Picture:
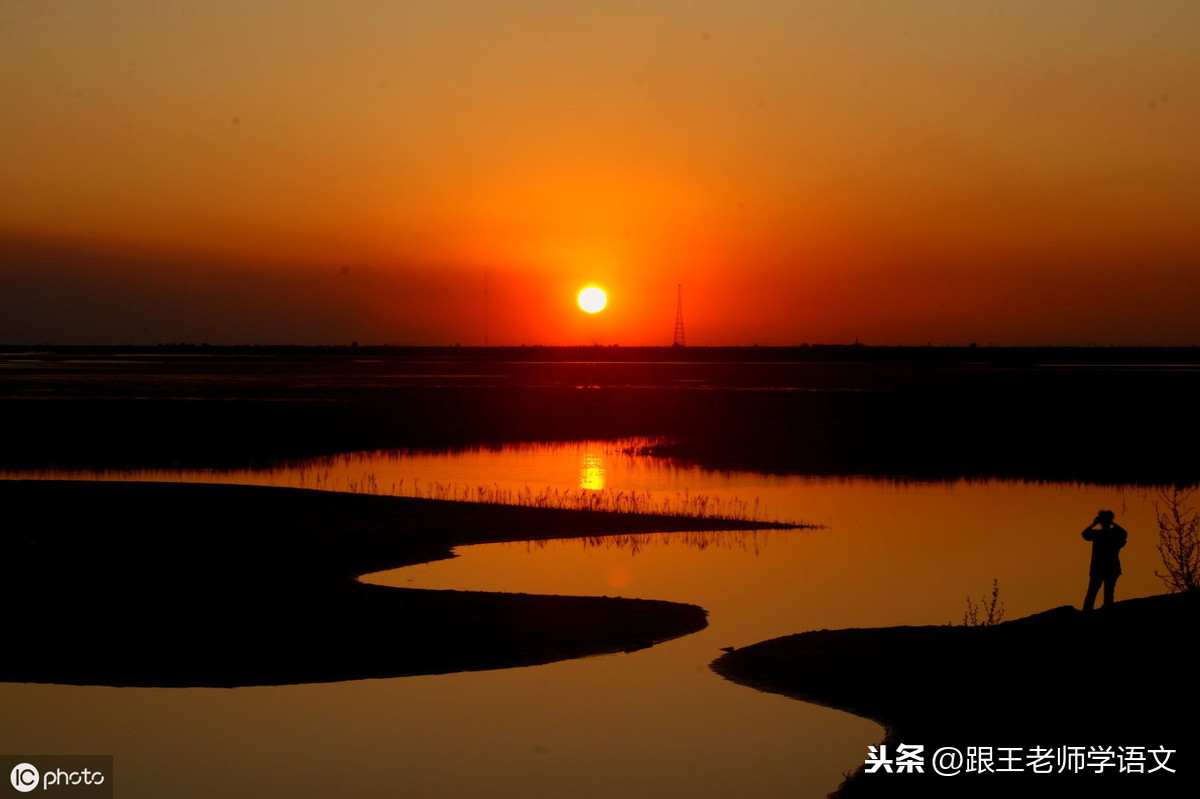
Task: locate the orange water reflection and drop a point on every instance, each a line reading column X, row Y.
column 592, row 472
column 649, row 724
column 890, row 553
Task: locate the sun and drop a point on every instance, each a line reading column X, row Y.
column 592, row 299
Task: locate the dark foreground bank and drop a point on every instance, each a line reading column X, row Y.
column 1122, row 677
column 189, row 585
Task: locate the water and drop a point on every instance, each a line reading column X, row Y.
column 651, row 723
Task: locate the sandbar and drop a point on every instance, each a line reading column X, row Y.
column 155, row 584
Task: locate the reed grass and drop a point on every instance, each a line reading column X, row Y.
column 634, row 543
column 643, row 503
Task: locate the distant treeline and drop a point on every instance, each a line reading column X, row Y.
column 1096, row 415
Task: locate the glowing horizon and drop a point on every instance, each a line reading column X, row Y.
column 899, row 174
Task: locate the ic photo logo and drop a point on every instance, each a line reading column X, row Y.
column 59, row 775
column 24, row 777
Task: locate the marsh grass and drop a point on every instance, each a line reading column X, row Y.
column 343, row 474
column 684, row 503
column 634, row 543
column 644, row 503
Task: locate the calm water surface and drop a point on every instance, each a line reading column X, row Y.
column 655, row 723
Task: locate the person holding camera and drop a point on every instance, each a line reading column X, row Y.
column 1107, row 538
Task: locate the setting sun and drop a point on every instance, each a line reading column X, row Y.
column 592, row 299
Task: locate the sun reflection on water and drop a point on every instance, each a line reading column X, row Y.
column 593, row 476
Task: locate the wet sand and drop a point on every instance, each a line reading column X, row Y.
column 144, row 584
column 1118, row 677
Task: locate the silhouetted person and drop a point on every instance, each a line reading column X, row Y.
column 1107, row 538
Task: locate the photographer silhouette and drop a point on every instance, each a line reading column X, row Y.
column 1107, row 538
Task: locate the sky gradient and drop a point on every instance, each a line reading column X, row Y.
column 438, row 172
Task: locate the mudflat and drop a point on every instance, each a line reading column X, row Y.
column 152, row 584
column 1112, row 678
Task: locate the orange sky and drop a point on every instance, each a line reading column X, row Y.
column 810, row 171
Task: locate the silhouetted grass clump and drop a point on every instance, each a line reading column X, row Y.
column 988, row 612
column 645, row 503
column 1178, row 541
column 635, row 543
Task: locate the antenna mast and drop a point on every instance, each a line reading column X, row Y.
column 679, row 342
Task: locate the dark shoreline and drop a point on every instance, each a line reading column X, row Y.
column 1014, row 354
column 1116, row 677
column 1104, row 415
column 214, row 585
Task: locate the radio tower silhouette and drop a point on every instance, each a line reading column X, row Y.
column 679, row 342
